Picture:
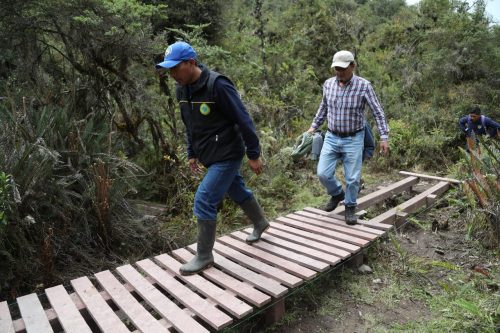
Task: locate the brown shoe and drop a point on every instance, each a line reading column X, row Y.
column 333, row 202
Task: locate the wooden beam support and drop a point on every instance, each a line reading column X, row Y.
column 411, row 205
column 382, row 194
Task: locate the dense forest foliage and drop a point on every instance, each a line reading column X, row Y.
column 88, row 128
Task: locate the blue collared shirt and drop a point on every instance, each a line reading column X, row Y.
column 344, row 107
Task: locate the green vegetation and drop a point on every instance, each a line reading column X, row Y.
column 88, row 129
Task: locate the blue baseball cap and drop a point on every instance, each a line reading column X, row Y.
column 176, row 53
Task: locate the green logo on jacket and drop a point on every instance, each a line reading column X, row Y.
column 204, row 109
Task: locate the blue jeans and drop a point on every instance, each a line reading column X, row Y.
column 221, row 178
column 350, row 151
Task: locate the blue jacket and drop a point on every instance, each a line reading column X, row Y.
column 484, row 126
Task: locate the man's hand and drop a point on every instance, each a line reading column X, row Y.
column 256, row 165
column 384, row 147
column 194, row 166
column 311, row 130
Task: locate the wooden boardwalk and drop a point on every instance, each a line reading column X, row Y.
column 151, row 296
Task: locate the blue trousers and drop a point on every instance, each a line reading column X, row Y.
column 221, row 178
column 350, row 151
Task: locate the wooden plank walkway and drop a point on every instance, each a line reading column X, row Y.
column 151, row 296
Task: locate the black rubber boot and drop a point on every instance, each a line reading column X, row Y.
column 255, row 213
column 350, row 215
column 333, row 202
column 203, row 258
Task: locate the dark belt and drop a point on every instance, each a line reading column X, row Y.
column 345, row 135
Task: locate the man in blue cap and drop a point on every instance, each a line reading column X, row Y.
column 219, row 133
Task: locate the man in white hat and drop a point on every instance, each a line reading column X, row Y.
column 343, row 105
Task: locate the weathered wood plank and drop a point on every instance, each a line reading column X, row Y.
column 33, row 314
column 289, row 255
column 68, row 315
column 380, row 226
column 241, row 288
column 205, row 310
column 164, row 306
column 322, row 231
column 264, row 283
column 314, row 236
column 306, row 249
column 382, row 194
column 336, row 221
column 411, row 205
column 332, row 226
column 293, row 238
column 419, row 175
column 6, row 324
column 103, row 315
column 137, row 314
column 259, row 266
column 271, row 257
column 225, row 299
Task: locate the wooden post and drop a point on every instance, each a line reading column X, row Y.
column 275, row 312
column 430, row 199
column 400, row 219
column 356, row 260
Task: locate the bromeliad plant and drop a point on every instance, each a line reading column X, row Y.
column 483, row 182
column 4, row 198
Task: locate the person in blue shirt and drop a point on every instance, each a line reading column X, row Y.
column 477, row 124
column 219, row 132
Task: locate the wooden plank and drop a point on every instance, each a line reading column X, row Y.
column 138, row 315
column 164, row 306
column 270, row 256
column 326, row 232
column 68, row 315
column 51, row 314
column 332, row 226
column 33, row 314
column 380, row 226
column 103, row 315
column 411, row 205
column 260, row 281
column 259, row 266
column 316, row 237
column 6, row 324
column 336, row 221
column 419, row 175
column 240, row 288
column 293, row 256
column 382, row 194
column 306, row 249
column 201, row 307
column 225, row 299
column 307, row 242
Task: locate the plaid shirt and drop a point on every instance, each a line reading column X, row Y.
column 344, row 106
